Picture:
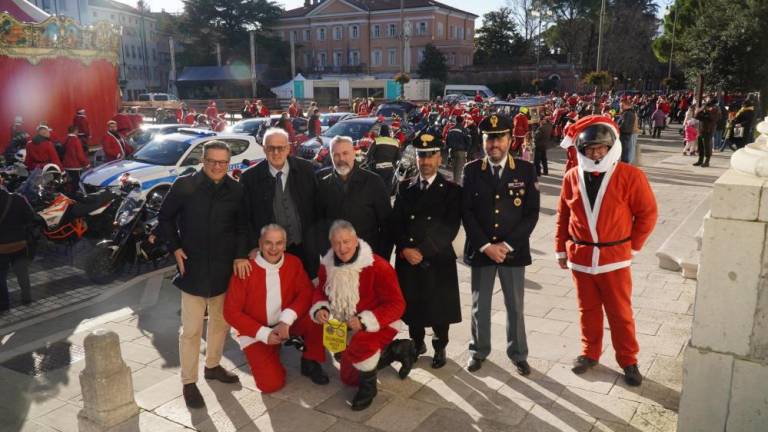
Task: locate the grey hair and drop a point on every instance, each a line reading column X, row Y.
column 341, row 224
column 340, row 138
column 274, row 131
column 273, row 227
column 216, row 145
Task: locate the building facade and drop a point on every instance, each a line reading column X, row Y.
column 364, row 36
column 144, row 59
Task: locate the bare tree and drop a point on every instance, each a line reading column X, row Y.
column 521, row 12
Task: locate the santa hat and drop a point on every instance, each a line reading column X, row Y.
column 572, row 131
column 81, row 111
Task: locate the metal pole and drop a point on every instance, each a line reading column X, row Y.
column 253, row 64
column 402, row 37
column 600, row 36
column 172, row 81
column 672, row 49
column 218, row 54
column 293, row 56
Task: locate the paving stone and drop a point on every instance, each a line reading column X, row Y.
column 147, row 421
column 598, row 379
column 290, row 417
column 63, row 419
column 237, row 413
column 138, row 353
column 159, row 394
column 339, row 405
column 655, row 418
column 147, row 377
column 303, row 392
column 599, row 406
column 444, row 419
column 401, row 415
column 346, row 426
column 542, row 419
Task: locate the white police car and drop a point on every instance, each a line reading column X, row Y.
column 158, row 163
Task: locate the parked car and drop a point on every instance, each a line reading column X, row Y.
column 536, row 106
column 157, row 165
column 329, row 119
column 467, row 90
column 402, row 109
column 146, row 133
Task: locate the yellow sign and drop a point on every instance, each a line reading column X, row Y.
column 335, row 336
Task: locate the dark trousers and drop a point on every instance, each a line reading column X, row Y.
column 540, row 161
column 20, row 264
column 705, row 147
column 74, row 179
column 439, row 340
column 657, row 131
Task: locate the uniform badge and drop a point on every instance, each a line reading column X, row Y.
column 518, row 202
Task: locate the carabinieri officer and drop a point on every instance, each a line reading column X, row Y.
column 500, row 210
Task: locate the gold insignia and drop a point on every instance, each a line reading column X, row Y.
column 427, row 138
column 518, row 202
column 522, row 191
column 494, row 121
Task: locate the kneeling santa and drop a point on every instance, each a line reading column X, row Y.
column 268, row 307
column 360, row 288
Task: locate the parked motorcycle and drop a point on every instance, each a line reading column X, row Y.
column 405, row 168
column 132, row 241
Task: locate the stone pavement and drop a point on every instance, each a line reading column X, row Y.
column 144, row 312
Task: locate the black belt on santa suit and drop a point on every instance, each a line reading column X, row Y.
column 601, row 244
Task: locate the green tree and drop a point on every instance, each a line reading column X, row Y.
column 434, row 65
column 498, row 41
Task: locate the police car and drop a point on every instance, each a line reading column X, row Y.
column 158, row 163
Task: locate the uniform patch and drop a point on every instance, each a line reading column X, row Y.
column 518, row 202
column 516, row 184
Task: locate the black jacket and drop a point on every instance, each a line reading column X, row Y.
column 458, row 139
column 503, row 210
column 207, row 221
column 259, row 194
column 429, row 221
column 18, row 220
column 363, row 201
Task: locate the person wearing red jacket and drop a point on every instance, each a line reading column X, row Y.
column 270, row 304
column 293, row 109
column 113, row 144
column 83, row 128
column 314, row 128
column 41, row 151
column 181, row 113
column 190, row 117
column 211, row 111
column 360, row 288
column 478, row 97
column 123, row 121
column 75, row 159
column 605, row 215
column 519, row 129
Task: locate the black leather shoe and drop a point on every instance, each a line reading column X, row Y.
column 315, row 372
column 705, row 164
column 192, row 396
column 582, row 364
column 438, row 360
column 523, row 368
column 475, row 364
column 697, row 163
column 632, row 375
column 218, row 373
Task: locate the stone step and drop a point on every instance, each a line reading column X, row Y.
column 681, row 250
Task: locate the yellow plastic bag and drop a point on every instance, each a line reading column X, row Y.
column 335, row 336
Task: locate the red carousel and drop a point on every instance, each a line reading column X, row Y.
column 50, row 67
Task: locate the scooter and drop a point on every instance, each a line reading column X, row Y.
column 132, row 241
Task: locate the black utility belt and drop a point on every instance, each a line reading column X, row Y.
column 601, row 244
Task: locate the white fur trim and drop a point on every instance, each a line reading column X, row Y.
column 560, row 255
column 288, row 316
column 274, row 294
column 316, row 307
column 634, row 252
column 368, row 364
column 244, row 341
column 566, row 142
column 342, row 286
column 369, row 320
column 263, row 334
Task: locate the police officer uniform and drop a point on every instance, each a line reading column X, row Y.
column 427, row 216
column 500, row 205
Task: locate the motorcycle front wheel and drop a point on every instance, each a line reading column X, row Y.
column 102, row 264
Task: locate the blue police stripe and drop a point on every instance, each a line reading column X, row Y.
column 151, row 183
column 109, row 180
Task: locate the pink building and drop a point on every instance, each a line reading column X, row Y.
column 363, row 36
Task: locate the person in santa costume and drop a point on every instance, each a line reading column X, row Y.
column 606, row 212
column 211, row 112
column 269, row 306
column 519, row 130
column 360, row 288
column 113, row 144
column 83, row 128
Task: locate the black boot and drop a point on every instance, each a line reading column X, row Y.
column 438, row 358
column 706, row 163
column 314, row 371
column 386, row 358
column 366, row 392
column 404, row 351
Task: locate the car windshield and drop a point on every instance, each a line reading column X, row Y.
column 325, row 119
column 248, row 126
column 143, row 137
column 387, row 111
column 162, row 151
column 355, row 130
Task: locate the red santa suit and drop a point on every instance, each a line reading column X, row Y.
column 74, row 156
column 599, row 241
column 115, row 147
column 271, row 294
column 293, row 111
column 366, row 288
column 520, row 130
column 212, row 112
column 40, row 152
column 83, row 128
column 189, row 118
column 124, row 123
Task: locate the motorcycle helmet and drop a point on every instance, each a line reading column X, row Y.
column 596, row 134
column 20, row 155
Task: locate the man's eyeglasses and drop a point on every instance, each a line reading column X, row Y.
column 212, row 162
column 275, row 149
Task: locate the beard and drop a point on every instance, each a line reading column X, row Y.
column 343, row 291
column 343, row 169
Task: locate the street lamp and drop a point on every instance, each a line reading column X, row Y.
column 672, row 48
column 540, row 14
column 600, row 36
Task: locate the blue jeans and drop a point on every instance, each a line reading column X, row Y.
column 628, row 147
column 719, row 142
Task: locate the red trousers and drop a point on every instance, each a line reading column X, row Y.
column 363, row 352
column 517, row 142
column 612, row 291
column 267, row 370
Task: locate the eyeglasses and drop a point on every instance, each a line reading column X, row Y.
column 212, row 162
column 275, row 149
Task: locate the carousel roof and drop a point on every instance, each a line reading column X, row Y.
column 23, row 10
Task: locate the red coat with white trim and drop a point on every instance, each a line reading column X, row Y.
column 83, row 128
column 381, row 302
column 115, row 148
column 246, row 303
column 626, row 209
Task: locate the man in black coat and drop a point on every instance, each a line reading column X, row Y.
column 500, row 210
column 424, row 222
column 292, row 205
column 355, row 195
column 202, row 220
column 458, row 142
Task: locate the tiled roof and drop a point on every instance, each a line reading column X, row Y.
column 376, row 5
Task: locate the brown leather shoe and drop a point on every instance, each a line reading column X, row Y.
column 220, row 374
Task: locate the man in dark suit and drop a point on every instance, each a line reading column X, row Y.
column 500, row 209
column 283, row 189
column 355, row 195
column 424, row 222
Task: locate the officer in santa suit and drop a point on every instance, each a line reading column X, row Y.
column 360, row 288
column 606, row 212
column 269, row 306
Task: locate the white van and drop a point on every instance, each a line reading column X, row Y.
column 468, row 90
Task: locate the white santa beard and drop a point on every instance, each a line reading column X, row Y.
column 343, row 291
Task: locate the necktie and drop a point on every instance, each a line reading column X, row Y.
column 424, row 185
column 496, row 171
column 279, row 181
